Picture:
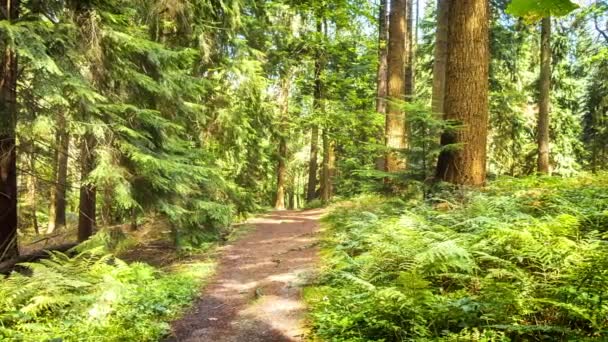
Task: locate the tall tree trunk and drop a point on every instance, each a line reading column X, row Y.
column 313, row 165
column 466, row 98
column 32, row 189
column 88, row 191
column 441, row 56
column 544, row 97
column 382, row 76
column 282, row 167
column 9, row 10
column 409, row 54
column 329, row 166
column 395, row 132
column 382, row 80
column 58, row 201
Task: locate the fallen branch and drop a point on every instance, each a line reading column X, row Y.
column 9, row 265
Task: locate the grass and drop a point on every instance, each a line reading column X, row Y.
column 520, row 260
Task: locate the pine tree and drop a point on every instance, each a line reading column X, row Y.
column 466, row 99
column 395, row 133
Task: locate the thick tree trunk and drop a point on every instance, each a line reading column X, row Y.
column 329, row 166
column 382, row 76
column 441, row 56
column 544, row 97
column 282, row 166
column 395, row 131
column 57, row 210
column 466, row 98
column 88, row 191
column 313, row 165
column 9, row 10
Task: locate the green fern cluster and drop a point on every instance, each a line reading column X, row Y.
column 520, row 260
column 93, row 297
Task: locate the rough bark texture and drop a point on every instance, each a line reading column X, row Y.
column 466, row 98
column 329, row 167
column 544, row 97
column 382, row 81
column 9, row 10
column 395, row 118
column 282, row 166
column 409, row 51
column 88, row 192
column 58, row 203
column 382, row 76
column 441, row 56
column 313, row 165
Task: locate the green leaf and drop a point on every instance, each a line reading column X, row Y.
column 537, row 9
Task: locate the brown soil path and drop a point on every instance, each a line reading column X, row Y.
column 256, row 293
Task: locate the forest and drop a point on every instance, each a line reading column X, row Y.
column 441, row 166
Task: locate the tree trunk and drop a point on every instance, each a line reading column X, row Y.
column 409, row 55
column 282, row 167
column 88, row 191
column 57, row 208
column 32, row 189
column 544, row 97
column 395, row 133
column 441, row 56
column 382, row 79
column 313, row 165
column 311, row 191
column 9, row 10
column 329, row 166
column 466, row 98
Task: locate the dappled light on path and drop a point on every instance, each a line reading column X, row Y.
column 256, row 294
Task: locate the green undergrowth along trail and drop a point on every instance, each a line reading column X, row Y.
column 94, row 296
column 520, row 260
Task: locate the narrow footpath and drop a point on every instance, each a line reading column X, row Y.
column 255, row 295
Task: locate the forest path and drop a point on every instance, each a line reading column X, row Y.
column 255, row 295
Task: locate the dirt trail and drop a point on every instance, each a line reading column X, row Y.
column 256, row 293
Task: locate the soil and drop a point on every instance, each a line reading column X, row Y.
column 256, row 293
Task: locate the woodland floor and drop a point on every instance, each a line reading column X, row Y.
column 255, row 295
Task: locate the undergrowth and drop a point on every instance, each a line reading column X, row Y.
column 94, row 296
column 520, row 260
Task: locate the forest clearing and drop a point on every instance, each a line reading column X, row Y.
column 303, row 170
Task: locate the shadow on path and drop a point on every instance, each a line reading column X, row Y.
column 256, row 293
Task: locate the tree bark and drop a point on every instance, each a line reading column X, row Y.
column 395, row 131
column 466, row 97
column 382, row 76
column 441, row 56
column 329, row 166
column 409, row 54
column 313, row 165
column 88, row 191
column 544, row 97
column 282, row 166
column 57, row 210
column 9, row 10
column 382, row 80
